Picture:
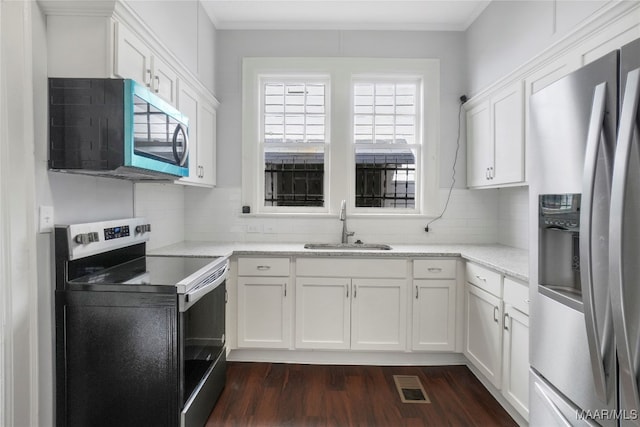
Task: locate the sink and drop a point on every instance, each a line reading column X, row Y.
column 348, row 246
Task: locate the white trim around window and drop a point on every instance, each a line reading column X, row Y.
column 341, row 74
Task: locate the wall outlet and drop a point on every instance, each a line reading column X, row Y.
column 46, row 219
column 254, row 228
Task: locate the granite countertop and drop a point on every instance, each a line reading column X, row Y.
column 513, row 262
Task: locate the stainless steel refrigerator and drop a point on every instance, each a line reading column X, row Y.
column 584, row 177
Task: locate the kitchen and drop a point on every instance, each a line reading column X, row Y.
column 499, row 44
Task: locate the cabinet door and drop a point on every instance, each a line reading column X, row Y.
column 479, row 145
column 378, row 314
column 264, row 312
column 164, row 81
column 207, row 144
column 132, row 57
column 434, row 315
column 515, row 381
column 507, row 109
column 323, row 312
column 188, row 105
column 483, row 341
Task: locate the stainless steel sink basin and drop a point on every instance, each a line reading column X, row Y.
column 348, row 246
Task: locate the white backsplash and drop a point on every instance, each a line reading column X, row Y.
column 163, row 205
column 513, row 217
column 214, row 215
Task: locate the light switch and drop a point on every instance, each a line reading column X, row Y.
column 46, row 219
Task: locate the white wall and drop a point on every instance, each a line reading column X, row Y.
column 232, row 46
column 509, row 33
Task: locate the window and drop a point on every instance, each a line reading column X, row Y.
column 317, row 131
column 293, row 138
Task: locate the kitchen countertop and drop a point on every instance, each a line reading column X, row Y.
column 511, row 261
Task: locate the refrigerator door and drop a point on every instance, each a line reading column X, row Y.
column 573, row 128
column 549, row 408
column 624, row 250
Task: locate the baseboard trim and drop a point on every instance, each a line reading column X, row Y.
column 329, row 357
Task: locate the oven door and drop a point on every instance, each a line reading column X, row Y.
column 203, row 354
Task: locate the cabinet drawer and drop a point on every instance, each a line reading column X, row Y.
column 516, row 294
column 351, row 267
column 484, row 278
column 434, row 269
column 263, row 266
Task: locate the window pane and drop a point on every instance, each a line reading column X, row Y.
column 294, row 112
column 294, row 178
column 385, row 178
column 390, row 108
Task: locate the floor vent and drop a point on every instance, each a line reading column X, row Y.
column 410, row 389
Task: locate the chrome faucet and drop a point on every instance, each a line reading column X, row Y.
column 343, row 218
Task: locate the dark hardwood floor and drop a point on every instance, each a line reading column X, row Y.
column 271, row 394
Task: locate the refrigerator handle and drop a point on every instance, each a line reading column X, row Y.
column 586, row 251
column 626, row 345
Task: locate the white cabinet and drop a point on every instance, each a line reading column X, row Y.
column 264, row 303
column 135, row 60
column 434, row 305
column 378, row 314
column 515, row 348
column 323, row 313
column 497, row 332
column 483, row 343
column 495, row 139
column 202, row 137
column 357, row 311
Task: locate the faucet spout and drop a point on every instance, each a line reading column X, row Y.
column 343, row 217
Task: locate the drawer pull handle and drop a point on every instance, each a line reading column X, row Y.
column 264, row 267
column 481, row 278
column 495, row 314
column 434, row 270
column 416, row 292
column 285, row 290
column 506, row 321
column 347, row 288
column 355, row 291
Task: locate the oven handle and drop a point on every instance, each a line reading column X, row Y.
column 192, row 297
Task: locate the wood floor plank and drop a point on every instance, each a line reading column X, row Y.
column 281, row 395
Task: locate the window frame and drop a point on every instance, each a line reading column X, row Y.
column 339, row 147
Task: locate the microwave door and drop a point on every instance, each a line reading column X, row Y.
column 157, row 135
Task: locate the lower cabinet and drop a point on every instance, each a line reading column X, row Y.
column 264, row 303
column 515, row 348
column 264, row 308
column 345, row 313
column 434, row 315
column 497, row 332
column 483, row 338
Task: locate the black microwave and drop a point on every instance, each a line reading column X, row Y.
column 117, row 128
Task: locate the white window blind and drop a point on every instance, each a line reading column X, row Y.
column 294, row 112
column 385, row 112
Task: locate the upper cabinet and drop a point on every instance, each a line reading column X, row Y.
column 90, row 41
column 495, row 139
column 497, row 117
column 133, row 59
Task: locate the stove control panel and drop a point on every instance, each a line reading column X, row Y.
column 96, row 237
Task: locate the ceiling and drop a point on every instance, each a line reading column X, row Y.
column 435, row 15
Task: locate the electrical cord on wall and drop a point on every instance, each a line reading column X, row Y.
column 463, row 99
